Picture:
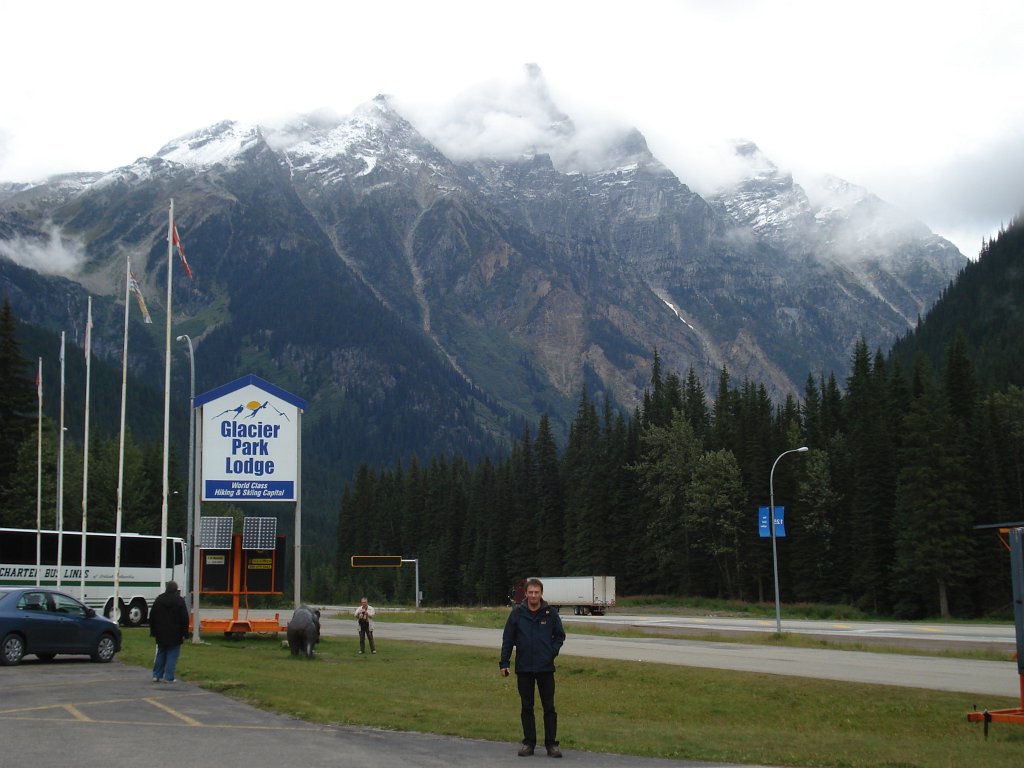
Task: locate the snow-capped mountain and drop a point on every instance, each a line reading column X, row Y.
column 322, row 245
column 861, row 238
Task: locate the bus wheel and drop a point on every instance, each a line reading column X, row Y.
column 121, row 610
column 136, row 613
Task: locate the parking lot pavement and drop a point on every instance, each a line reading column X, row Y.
column 73, row 712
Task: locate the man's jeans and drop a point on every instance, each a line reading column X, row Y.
column 545, row 682
column 165, row 662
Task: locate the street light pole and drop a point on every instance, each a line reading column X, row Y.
column 191, row 447
column 771, row 524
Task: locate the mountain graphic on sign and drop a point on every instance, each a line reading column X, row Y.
column 253, row 407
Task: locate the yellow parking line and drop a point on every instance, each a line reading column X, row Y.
column 171, row 711
column 186, row 724
column 90, row 702
column 76, row 713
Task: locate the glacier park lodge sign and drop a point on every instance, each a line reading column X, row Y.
column 250, row 441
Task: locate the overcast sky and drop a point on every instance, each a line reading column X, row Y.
column 917, row 100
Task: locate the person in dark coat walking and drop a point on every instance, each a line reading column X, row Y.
column 535, row 629
column 168, row 625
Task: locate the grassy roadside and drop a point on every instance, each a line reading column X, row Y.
column 624, row 707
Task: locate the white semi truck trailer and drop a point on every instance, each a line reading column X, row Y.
column 586, row 594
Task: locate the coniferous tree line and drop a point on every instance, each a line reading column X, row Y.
column 880, row 512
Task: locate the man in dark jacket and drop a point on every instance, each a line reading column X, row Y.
column 168, row 624
column 535, row 629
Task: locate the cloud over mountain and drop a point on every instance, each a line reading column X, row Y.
column 52, row 254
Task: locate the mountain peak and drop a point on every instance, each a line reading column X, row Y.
column 214, row 144
column 756, row 165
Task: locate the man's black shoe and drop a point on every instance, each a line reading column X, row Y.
column 526, row 750
column 554, row 752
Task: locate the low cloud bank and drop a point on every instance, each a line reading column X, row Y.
column 52, row 254
column 507, row 119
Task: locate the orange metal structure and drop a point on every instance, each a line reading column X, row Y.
column 1012, row 537
column 238, row 588
column 1014, row 715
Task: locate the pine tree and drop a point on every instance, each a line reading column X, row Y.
column 715, row 517
column 585, row 546
column 812, row 544
column 695, row 407
column 871, row 482
column 549, row 500
column 669, row 456
column 934, row 548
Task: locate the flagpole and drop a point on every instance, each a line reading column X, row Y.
column 167, row 395
column 115, row 604
column 39, row 471
column 85, row 447
column 60, row 471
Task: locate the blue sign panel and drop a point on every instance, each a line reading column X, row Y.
column 780, row 523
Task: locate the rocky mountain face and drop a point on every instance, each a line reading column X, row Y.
column 443, row 300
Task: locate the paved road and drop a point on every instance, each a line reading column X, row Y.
column 997, row 637
column 73, row 712
column 997, row 678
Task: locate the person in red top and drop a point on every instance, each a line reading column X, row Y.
column 535, row 629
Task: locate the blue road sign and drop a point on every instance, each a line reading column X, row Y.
column 780, row 522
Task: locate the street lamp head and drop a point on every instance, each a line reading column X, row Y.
column 183, row 337
column 802, row 449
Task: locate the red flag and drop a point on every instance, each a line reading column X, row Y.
column 181, row 251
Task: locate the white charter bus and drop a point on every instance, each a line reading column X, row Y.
column 140, row 580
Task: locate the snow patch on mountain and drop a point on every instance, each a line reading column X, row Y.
column 374, row 137
column 220, row 143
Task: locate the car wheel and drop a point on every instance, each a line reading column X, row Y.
column 105, row 649
column 12, row 650
column 46, row 656
column 136, row 613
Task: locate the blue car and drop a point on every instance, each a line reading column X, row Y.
column 45, row 622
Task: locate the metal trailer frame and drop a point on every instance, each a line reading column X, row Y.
column 1013, row 539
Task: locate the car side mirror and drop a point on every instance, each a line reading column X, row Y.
column 89, row 612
